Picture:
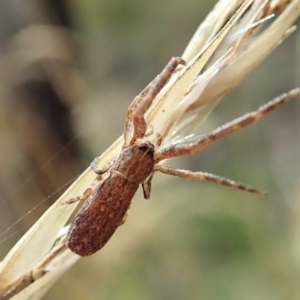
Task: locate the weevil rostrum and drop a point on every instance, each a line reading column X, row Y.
column 106, row 207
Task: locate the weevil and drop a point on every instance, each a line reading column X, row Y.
column 106, row 207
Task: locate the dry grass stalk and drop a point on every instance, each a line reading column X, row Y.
column 223, row 55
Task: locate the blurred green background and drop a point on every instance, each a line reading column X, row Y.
column 68, row 71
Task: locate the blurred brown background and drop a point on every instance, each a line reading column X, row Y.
column 68, row 70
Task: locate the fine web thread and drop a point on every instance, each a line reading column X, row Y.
column 3, row 234
column 6, row 237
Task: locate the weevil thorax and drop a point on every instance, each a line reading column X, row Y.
column 136, row 161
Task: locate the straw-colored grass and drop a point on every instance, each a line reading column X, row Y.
column 223, row 55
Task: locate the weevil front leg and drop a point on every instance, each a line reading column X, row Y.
column 208, row 177
column 139, row 98
column 225, row 130
column 142, row 105
column 131, row 109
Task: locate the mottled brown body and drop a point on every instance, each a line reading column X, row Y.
column 105, row 209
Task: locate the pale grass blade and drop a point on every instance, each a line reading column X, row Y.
column 33, row 253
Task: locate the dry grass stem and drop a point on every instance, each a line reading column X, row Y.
column 223, row 55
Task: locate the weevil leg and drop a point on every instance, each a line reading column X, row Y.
column 227, row 129
column 95, row 183
column 139, row 123
column 146, row 185
column 131, row 109
column 104, row 168
column 208, row 177
column 84, row 196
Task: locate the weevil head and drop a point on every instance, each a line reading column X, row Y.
column 136, row 162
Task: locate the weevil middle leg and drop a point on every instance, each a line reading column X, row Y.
column 208, row 177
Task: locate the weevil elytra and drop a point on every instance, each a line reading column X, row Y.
column 106, row 207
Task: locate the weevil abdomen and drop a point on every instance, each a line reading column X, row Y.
column 104, row 211
column 100, row 215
